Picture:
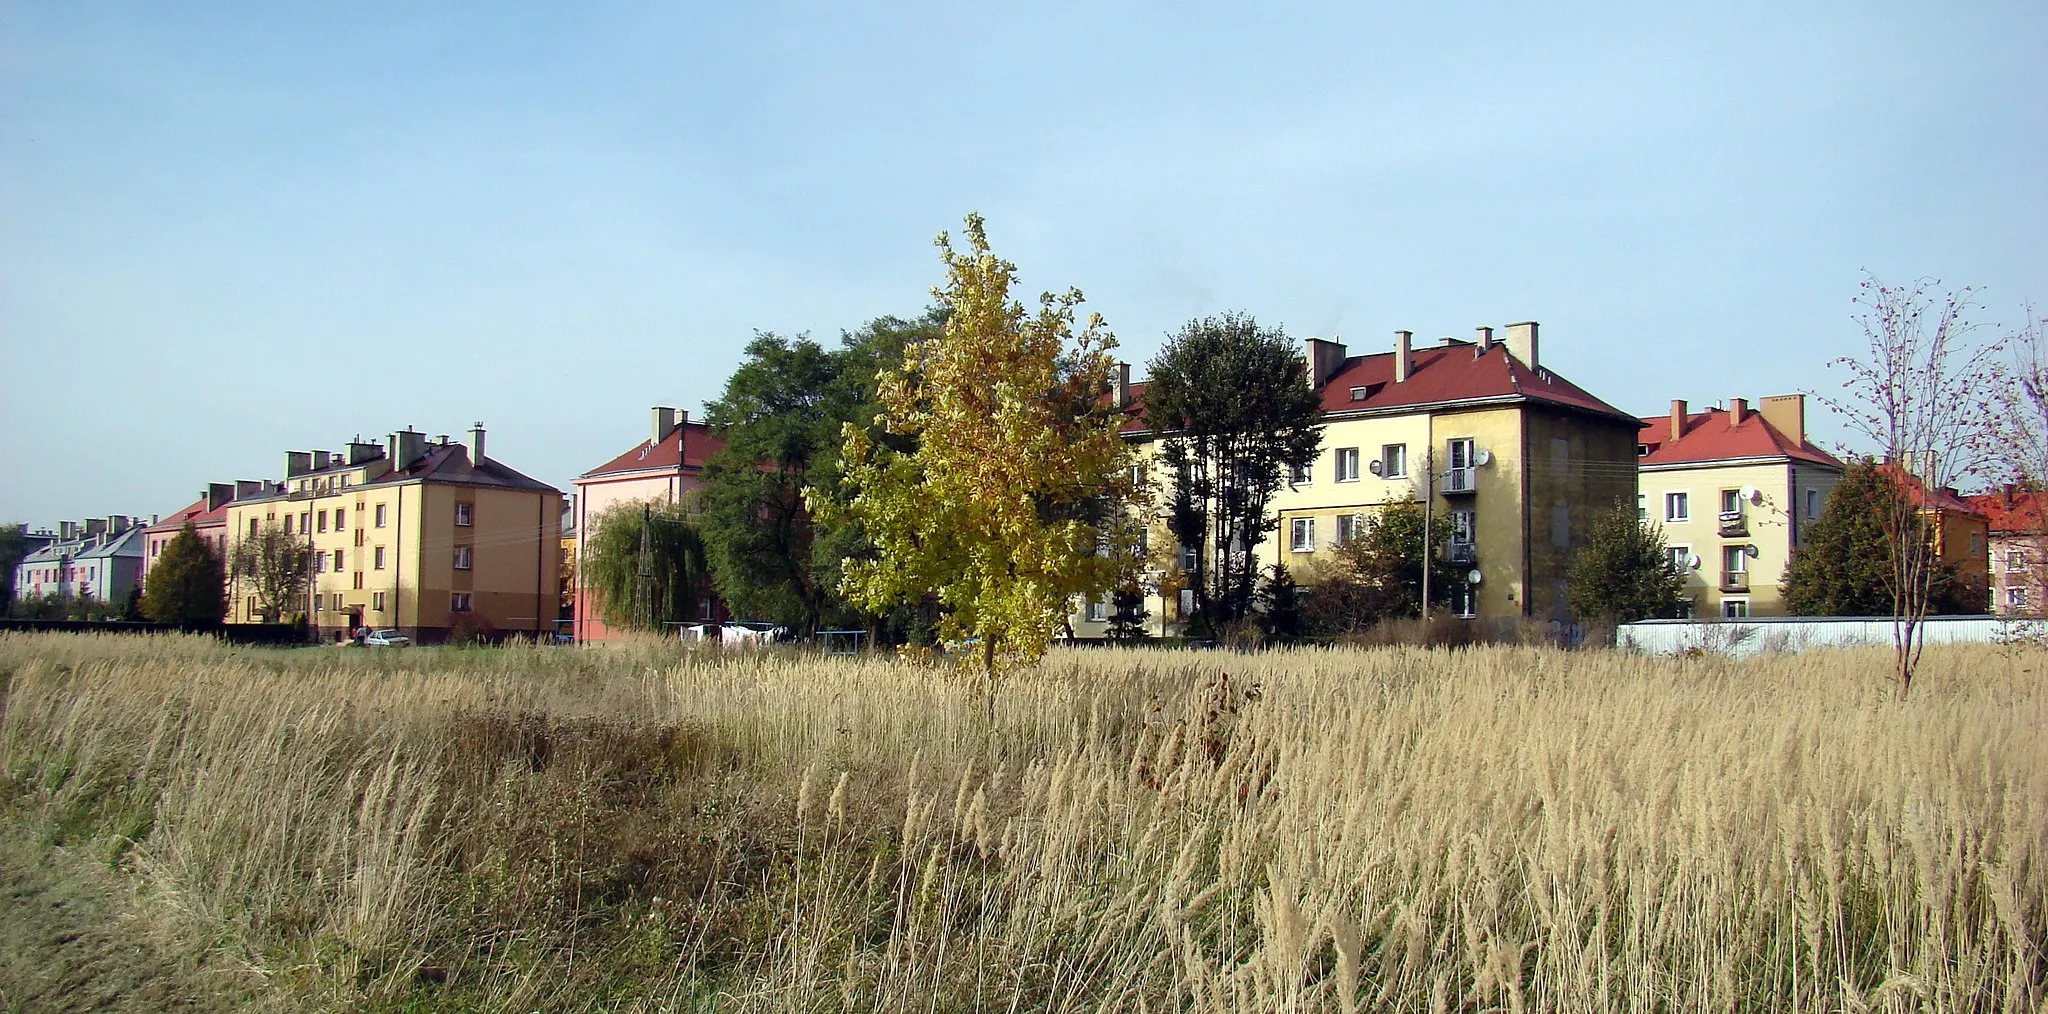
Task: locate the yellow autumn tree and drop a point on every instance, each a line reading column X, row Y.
column 997, row 465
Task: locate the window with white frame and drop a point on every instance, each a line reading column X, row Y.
column 2016, row 598
column 319, row 563
column 1098, row 610
column 380, row 515
column 1731, row 501
column 341, row 519
column 337, row 561
column 1680, row 557
column 1394, row 461
column 1465, row 600
column 462, row 557
column 1460, row 453
column 377, row 601
column 459, row 602
column 1735, row 609
column 321, row 519
column 2015, row 560
column 1189, row 556
column 465, row 514
column 1677, row 506
column 1642, row 507
column 1349, row 527
column 1301, row 475
column 1347, row 464
column 378, row 555
column 1301, row 535
column 1734, row 560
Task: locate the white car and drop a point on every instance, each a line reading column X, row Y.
column 386, row 638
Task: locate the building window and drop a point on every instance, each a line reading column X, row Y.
column 1301, row 535
column 305, row 522
column 1300, row 475
column 340, row 518
column 1976, row 543
column 458, row 602
column 378, row 556
column 2016, row 598
column 462, row 557
column 1464, row 600
column 1734, row 559
column 2015, row 560
column 1394, row 461
column 319, row 563
column 337, row 561
column 335, row 602
column 1680, row 557
column 1462, row 475
column 1464, row 528
column 1189, row 557
column 1642, row 507
column 1731, row 501
column 1677, row 507
column 1813, row 505
column 377, row 601
column 322, row 515
column 380, row 515
column 287, row 525
column 1348, row 527
column 1735, row 609
column 465, row 514
column 1098, row 611
column 1347, row 464
column 359, row 580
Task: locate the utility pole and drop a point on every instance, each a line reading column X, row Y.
column 643, row 573
column 1428, row 517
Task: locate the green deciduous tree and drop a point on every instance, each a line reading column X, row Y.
column 1623, row 573
column 14, row 546
column 274, row 567
column 997, row 511
column 1232, row 408
column 645, row 562
column 1845, row 565
column 187, row 583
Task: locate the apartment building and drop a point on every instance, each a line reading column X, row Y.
column 1961, row 534
column 1734, row 490
column 1512, row 458
column 665, row 467
column 2017, row 520
column 208, row 515
column 424, row 536
column 99, row 558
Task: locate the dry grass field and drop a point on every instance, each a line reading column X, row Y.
column 630, row 829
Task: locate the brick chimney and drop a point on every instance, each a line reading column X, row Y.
column 1404, row 354
column 1787, row 414
column 1325, row 358
column 1677, row 418
column 664, row 422
column 1738, row 411
column 1521, row 342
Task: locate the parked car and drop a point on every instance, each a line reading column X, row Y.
column 386, row 638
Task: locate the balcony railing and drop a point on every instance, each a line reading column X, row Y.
column 1461, row 480
column 1734, row 525
column 1735, row 581
column 1463, row 553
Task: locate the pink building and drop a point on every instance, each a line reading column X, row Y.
column 2019, row 550
column 208, row 514
column 664, row 467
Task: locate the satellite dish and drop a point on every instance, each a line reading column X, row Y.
column 1375, row 467
column 1692, row 561
column 1753, row 494
column 1472, row 577
column 1482, row 456
column 1750, row 550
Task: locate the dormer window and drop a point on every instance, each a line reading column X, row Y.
column 1358, row 394
column 1642, row 450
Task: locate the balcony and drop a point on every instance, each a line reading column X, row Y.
column 1464, row 553
column 1735, row 581
column 1734, row 525
column 1460, row 481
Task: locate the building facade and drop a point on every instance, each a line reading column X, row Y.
column 432, row 538
column 208, row 515
column 1733, row 491
column 2018, row 523
column 98, row 559
column 663, row 468
column 1512, row 459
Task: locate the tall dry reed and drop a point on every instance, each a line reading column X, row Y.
column 635, row 829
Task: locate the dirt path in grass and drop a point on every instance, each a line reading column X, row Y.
column 71, row 939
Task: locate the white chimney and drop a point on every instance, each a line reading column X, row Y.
column 1521, row 343
column 1485, row 340
column 664, row 422
column 1120, row 386
column 476, row 442
column 1404, row 354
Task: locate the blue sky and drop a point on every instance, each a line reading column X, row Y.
column 226, row 232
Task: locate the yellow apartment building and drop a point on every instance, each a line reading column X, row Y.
column 427, row 537
column 1513, row 459
column 1734, row 490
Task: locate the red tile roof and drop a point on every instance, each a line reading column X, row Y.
column 688, row 447
column 1437, row 375
column 2022, row 511
column 1930, row 499
column 195, row 513
column 1708, row 436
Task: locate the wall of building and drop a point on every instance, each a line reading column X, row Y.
column 593, row 498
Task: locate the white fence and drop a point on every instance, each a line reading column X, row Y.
column 1754, row 635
